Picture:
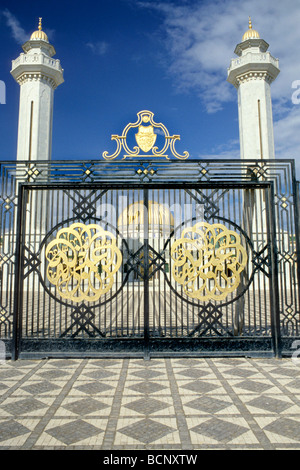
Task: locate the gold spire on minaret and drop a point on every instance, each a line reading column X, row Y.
column 39, row 34
column 251, row 33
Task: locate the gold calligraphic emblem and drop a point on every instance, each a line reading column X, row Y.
column 208, row 261
column 82, row 261
column 146, row 137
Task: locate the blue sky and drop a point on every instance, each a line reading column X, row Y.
column 170, row 57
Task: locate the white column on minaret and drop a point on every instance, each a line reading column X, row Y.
column 252, row 74
column 38, row 74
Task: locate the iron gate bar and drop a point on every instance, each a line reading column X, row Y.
column 273, row 272
column 18, row 291
column 296, row 200
column 146, row 275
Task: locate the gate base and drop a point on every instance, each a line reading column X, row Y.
column 154, row 348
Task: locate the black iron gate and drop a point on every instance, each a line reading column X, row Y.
column 146, row 270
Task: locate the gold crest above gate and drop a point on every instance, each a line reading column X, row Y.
column 146, row 138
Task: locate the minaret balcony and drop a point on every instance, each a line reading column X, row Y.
column 37, row 64
column 260, row 64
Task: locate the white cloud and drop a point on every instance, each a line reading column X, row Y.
column 98, row 48
column 200, row 38
column 18, row 33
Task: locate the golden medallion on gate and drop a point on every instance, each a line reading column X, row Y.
column 82, row 262
column 208, row 261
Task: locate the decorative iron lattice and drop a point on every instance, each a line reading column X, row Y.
column 80, row 186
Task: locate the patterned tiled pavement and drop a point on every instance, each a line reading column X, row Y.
column 161, row 404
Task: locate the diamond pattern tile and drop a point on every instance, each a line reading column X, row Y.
column 105, row 363
column 99, row 374
column 172, row 403
column 240, row 372
column 147, row 406
column 9, row 374
column 146, row 430
column 11, row 429
column 220, row 430
column 253, row 386
column 270, row 404
column 285, row 427
column 147, row 373
column 199, row 386
column 85, row 406
column 54, row 374
column 24, row 406
column 294, row 384
column 73, row 432
column 94, row 388
column 40, row 387
column 286, row 372
column 63, row 363
column 147, row 387
column 187, row 362
column 208, row 404
column 193, row 373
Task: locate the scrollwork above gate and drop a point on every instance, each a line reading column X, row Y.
column 146, row 139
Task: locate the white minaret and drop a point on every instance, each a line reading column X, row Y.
column 38, row 75
column 252, row 74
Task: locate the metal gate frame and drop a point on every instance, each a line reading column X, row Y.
column 149, row 346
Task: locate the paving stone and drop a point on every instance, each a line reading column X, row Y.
column 40, row 387
column 294, row 384
column 85, row 406
column 188, row 362
column 24, row 406
column 240, row 372
column 104, row 363
column 253, row 386
column 208, row 404
column 200, row 386
column 193, row 373
column 146, row 430
column 157, row 404
column 147, row 373
column 54, row 374
column 74, row 431
column 286, row 372
column 94, row 388
column 11, row 429
column 9, row 374
column 147, row 387
column 62, row 363
column 270, row 404
column 99, row 374
column 147, row 406
column 220, row 430
column 285, row 427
